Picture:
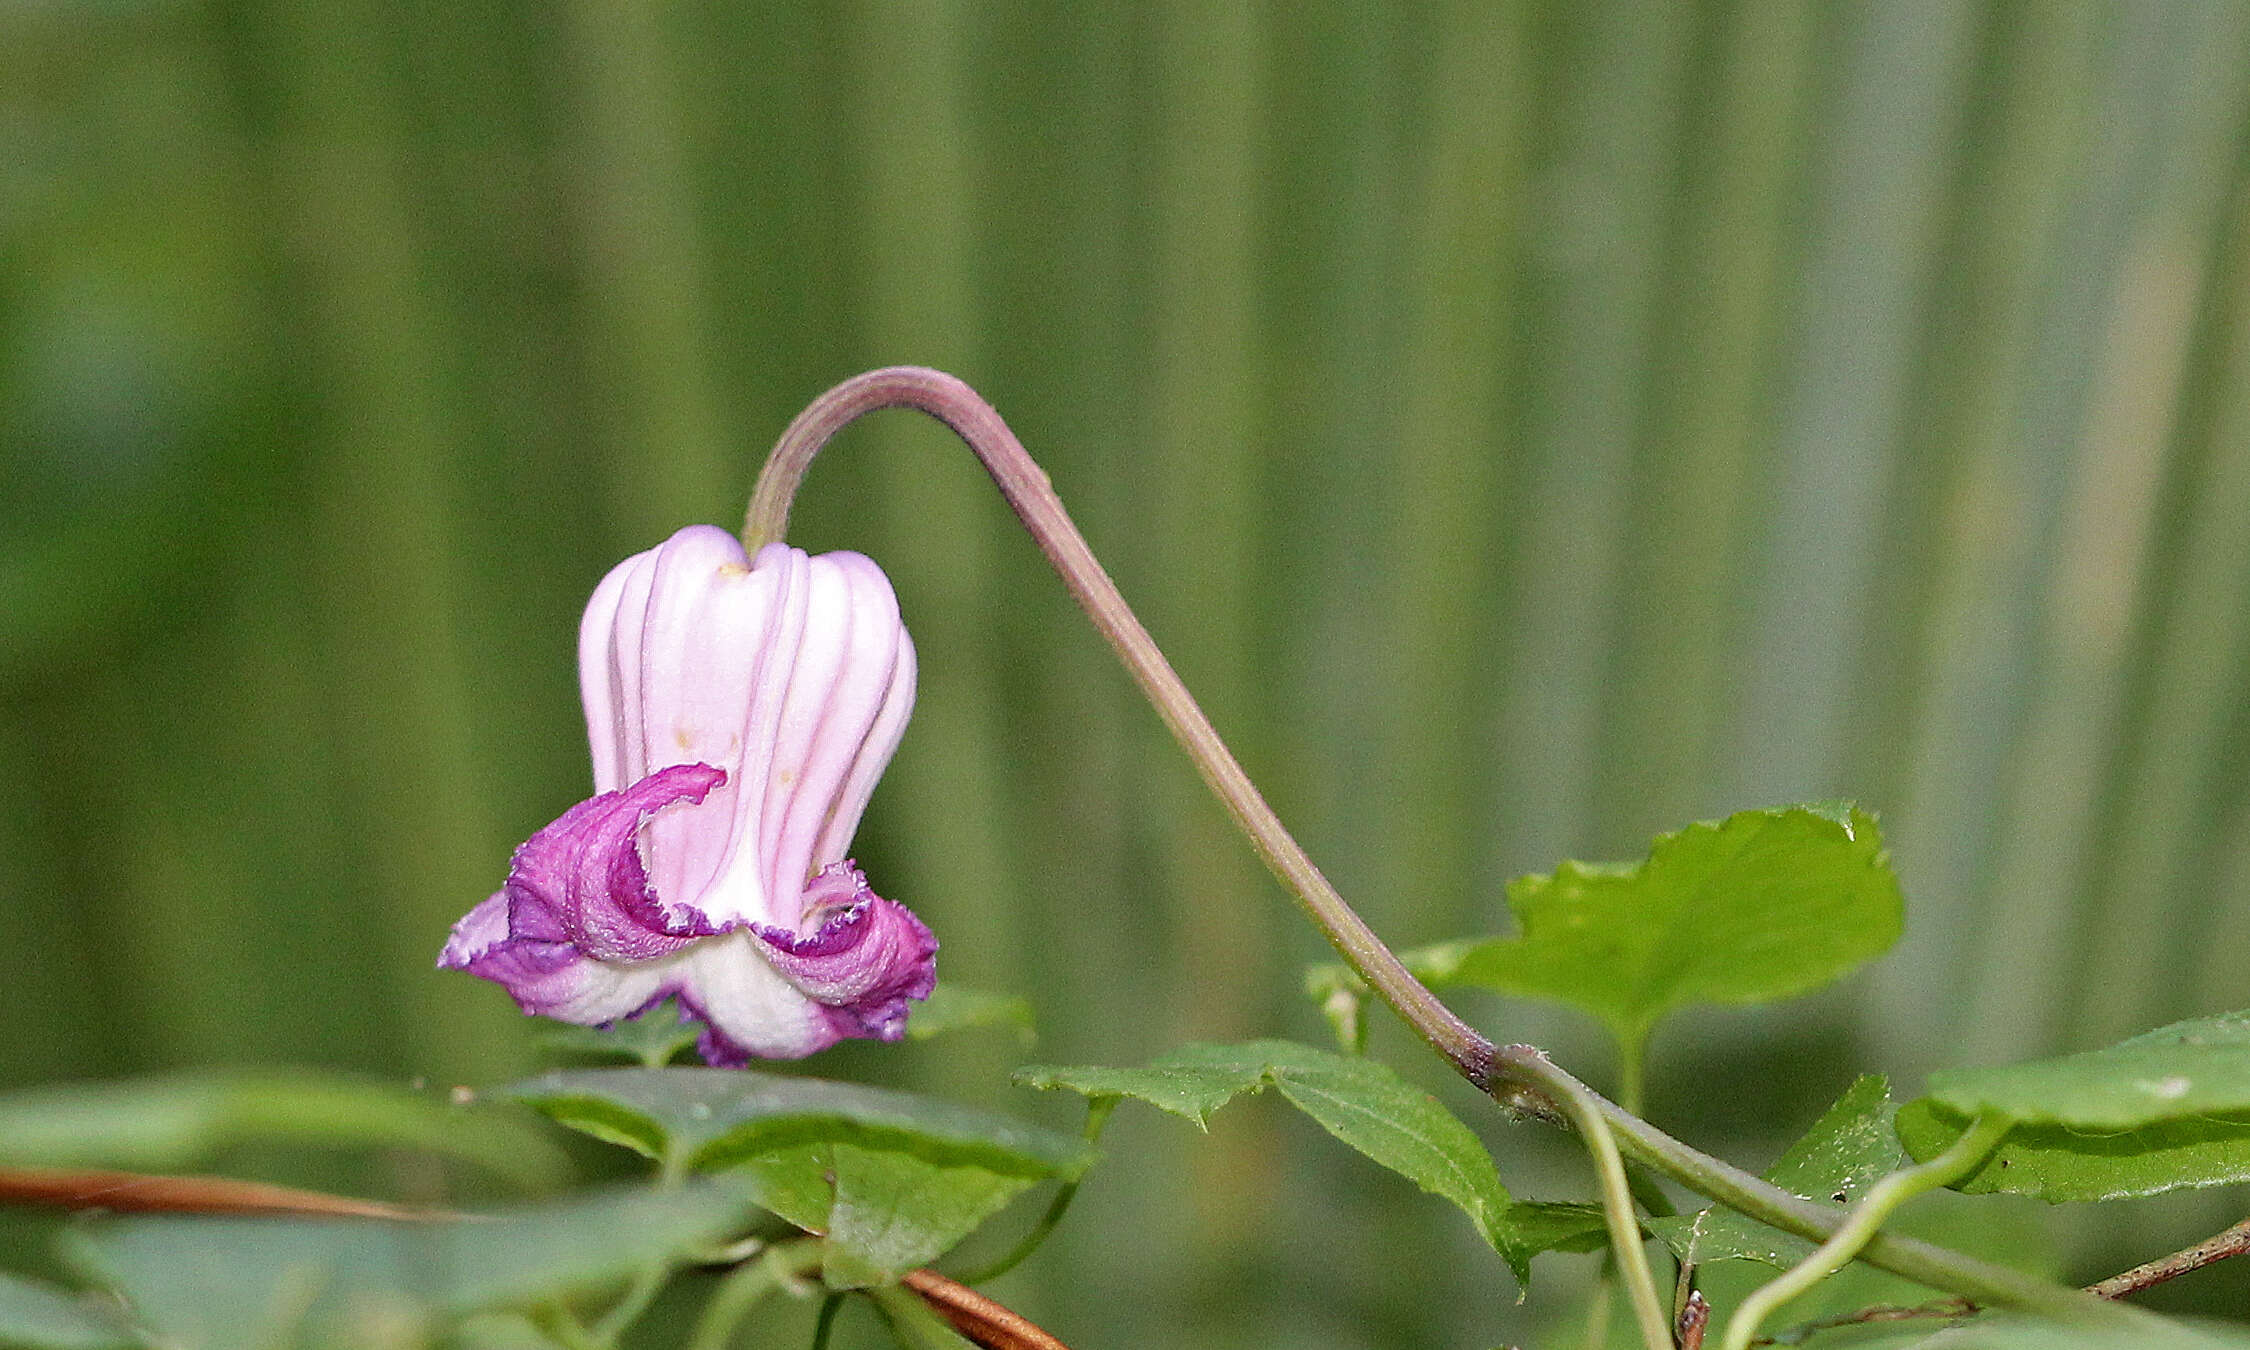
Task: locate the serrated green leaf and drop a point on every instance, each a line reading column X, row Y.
column 716, row 1118
column 1190, row 1091
column 1846, row 1151
column 653, row 1039
column 38, row 1316
column 953, row 1008
column 213, row 1283
column 1359, row 1101
column 1762, row 905
column 2164, row 1110
column 881, row 1214
column 172, row 1122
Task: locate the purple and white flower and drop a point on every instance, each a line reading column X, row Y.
column 740, row 712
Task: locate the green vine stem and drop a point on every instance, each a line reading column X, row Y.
column 785, row 1265
column 1866, row 1219
column 1623, row 1220
column 824, row 1326
column 1098, row 1110
column 1520, row 1077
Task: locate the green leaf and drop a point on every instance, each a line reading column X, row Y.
column 2058, row 1164
column 167, row 1123
column 953, row 1008
column 2197, row 1067
column 717, row 1118
column 1529, row 1227
column 1760, row 906
column 655, row 1038
column 1172, row 1082
column 205, row 1283
column 41, row 1317
column 1845, row 1152
column 1359, row 1101
column 2164, row 1110
column 881, row 1213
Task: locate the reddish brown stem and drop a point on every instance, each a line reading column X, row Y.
column 73, row 1188
column 2210, row 1251
column 980, row 1319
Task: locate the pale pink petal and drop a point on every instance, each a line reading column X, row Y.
column 844, row 675
column 739, row 716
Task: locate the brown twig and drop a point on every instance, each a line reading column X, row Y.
column 2231, row 1242
column 980, row 1319
column 138, row 1192
column 2210, row 1251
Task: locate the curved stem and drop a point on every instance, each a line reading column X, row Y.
column 647, row 1283
column 1623, row 1220
column 781, row 1266
column 1866, row 1218
column 825, row 1325
column 1518, row 1076
column 1097, row 1115
column 1033, row 499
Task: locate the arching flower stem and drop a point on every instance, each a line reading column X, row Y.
column 1027, row 490
column 1520, row 1077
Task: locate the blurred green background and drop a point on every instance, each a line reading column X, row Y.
column 1528, row 427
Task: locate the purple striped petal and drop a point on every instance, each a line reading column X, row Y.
column 577, row 932
column 863, row 959
column 549, row 979
column 581, row 880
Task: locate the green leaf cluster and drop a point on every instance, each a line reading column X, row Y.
column 888, row 1179
column 884, row 1181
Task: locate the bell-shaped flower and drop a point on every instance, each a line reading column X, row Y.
column 740, row 713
